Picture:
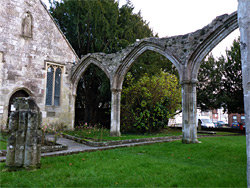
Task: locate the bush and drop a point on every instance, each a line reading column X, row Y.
column 148, row 103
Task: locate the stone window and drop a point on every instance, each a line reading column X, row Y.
column 53, row 85
column 57, row 87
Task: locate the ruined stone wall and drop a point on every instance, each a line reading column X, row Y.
column 29, row 41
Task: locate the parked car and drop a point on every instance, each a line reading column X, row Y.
column 207, row 123
column 222, row 123
column 235, row 125
column 219, row 124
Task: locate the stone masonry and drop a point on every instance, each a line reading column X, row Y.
column 24, row 143
column 30, row 41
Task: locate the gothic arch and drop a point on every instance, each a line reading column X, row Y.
column 210, row 42
column 134, row 54
column 82, row 66
column 16, row 89
column 9, row 97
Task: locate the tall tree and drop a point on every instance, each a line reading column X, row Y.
column 97, row 26
column 220, row 82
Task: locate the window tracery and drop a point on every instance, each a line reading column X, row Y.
column 53, row 85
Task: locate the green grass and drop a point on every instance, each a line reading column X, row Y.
column 216, row 162
column 3, row 141
column 3, row 145
column 104, row 134
column 96, row 134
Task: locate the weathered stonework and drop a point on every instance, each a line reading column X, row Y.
column 244, row 26
column 24, row 143
column 29, row 41
column 186, row 52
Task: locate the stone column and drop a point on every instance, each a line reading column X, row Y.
column 244, row 26
column 73, row 111
column 24, row 144
column 189, row 112
column 115, row 112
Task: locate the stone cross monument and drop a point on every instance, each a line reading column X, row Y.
column 24, row 143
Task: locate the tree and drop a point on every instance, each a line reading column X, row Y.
column 220, row 82
column 97, row 26
column 210, row 84
column 90, row 83
column 152, row 63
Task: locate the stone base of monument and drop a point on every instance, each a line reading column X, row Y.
column 50, row 146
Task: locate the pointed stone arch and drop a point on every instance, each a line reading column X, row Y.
column 153, row 44
column 207, row 37
column 79, row 70
column 228, row 25
column 16, row 92
column 185, row 51
column 82, row 66
column 138, row 51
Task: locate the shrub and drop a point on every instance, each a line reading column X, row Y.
column 148, row 103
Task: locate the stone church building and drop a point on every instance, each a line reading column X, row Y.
column 35, row 60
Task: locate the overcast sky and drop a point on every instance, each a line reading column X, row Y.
column 177, row 17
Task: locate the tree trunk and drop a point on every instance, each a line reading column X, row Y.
column 244, row 26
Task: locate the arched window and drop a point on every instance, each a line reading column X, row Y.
column 53, row 87
column 57, row 87
column 19, row 93
column 49, row 89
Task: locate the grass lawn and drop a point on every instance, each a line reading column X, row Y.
column 3, row 141
column 216, row 162
column 3, row 145
column 104, row 134
column 96, row 134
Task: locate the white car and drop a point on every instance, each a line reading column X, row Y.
column 207, row 123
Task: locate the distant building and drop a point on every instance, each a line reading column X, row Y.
column 235, row 117
column 215, row 115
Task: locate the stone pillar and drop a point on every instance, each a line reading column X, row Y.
column 244, row 26
column 73, row 111
column 24, row 143
column 115, row 112
column 189, row 112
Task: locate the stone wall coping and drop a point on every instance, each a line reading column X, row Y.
column 119, row 142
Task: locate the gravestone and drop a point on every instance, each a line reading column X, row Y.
column 24, row 143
